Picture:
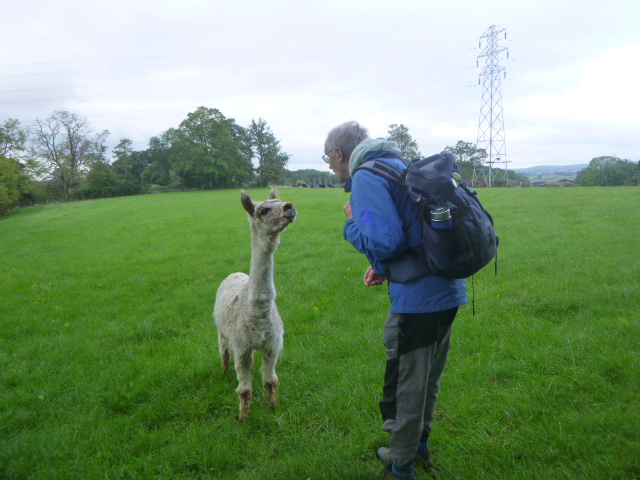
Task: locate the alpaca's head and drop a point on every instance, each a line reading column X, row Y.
column 270, row 217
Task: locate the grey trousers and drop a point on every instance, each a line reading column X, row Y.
column 417, row 347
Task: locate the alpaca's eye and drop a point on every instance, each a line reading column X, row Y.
column 265, row 211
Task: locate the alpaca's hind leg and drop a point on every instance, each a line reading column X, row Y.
column 225, row 352
column 243, row 362
column 269, row 377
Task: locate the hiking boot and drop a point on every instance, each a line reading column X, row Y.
column 384, row 454
column 389, row 475
column 424, row 460
column 421, row 460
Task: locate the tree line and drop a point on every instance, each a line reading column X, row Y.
column 606, row 171
column 61, row 158
column 609, row 171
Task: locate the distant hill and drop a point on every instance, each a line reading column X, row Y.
column 560, row 170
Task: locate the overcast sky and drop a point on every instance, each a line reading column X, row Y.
column 137, row 68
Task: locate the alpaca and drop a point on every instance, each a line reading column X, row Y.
column 245, row 310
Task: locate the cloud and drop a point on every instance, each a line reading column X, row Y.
column 138, row 68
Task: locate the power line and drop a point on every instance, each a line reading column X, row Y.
column 209, row 77
column 241, row 52
column 173, row 67
column 184, row 89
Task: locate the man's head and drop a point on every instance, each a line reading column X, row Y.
column 339, row 145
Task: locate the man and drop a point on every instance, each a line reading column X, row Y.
column 383, row 224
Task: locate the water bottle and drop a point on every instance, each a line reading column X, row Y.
column 441, row 218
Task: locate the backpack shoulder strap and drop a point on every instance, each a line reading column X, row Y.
column 383, row 170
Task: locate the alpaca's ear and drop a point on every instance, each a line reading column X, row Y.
column 247, row 203
column 272, row 195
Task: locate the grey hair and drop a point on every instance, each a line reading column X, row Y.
column 346, row 136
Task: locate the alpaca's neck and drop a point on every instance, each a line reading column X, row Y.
column 261, row 287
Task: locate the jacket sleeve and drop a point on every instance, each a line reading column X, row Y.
column 376, row 229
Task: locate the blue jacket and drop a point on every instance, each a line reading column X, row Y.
column 385, row 224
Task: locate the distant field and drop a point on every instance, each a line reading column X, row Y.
column 551, row 178
column 109, row 365
column 550, row 173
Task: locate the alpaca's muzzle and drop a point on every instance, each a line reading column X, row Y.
column 290, row 214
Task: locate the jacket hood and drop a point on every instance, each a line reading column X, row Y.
column 370, row 145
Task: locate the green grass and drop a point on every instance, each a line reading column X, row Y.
column 109, row 365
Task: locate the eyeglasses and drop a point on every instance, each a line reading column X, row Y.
column 326, row 157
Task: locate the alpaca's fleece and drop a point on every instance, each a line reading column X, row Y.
column 245, row 311
column 247, row 325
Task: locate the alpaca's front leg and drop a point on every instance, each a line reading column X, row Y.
column 269, row 377
column 243, row 363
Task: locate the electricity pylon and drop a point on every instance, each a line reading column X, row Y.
column 491, row 123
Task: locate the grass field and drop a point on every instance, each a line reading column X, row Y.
column 108, row 353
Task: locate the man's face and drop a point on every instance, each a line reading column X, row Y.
column 338, row 163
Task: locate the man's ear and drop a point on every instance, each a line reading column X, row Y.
column 247, row 203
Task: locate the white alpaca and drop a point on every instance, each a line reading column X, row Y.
column 245, row 311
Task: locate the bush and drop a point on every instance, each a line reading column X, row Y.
column 13, row 184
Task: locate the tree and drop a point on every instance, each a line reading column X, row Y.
column 12, row 137
column 272, row 161
column 210, row 151
column 13, row 184
column 123, row 150
column 608, row 171
column 63, row 141
column 468, row 156
column 100, row 182
column 129, row 167
column 159, row 170
column 408, row 146
column 123, row 164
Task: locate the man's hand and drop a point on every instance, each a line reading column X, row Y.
column 372, row 279
column 347, row 211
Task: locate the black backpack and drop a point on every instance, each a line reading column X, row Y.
column 455, row 246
